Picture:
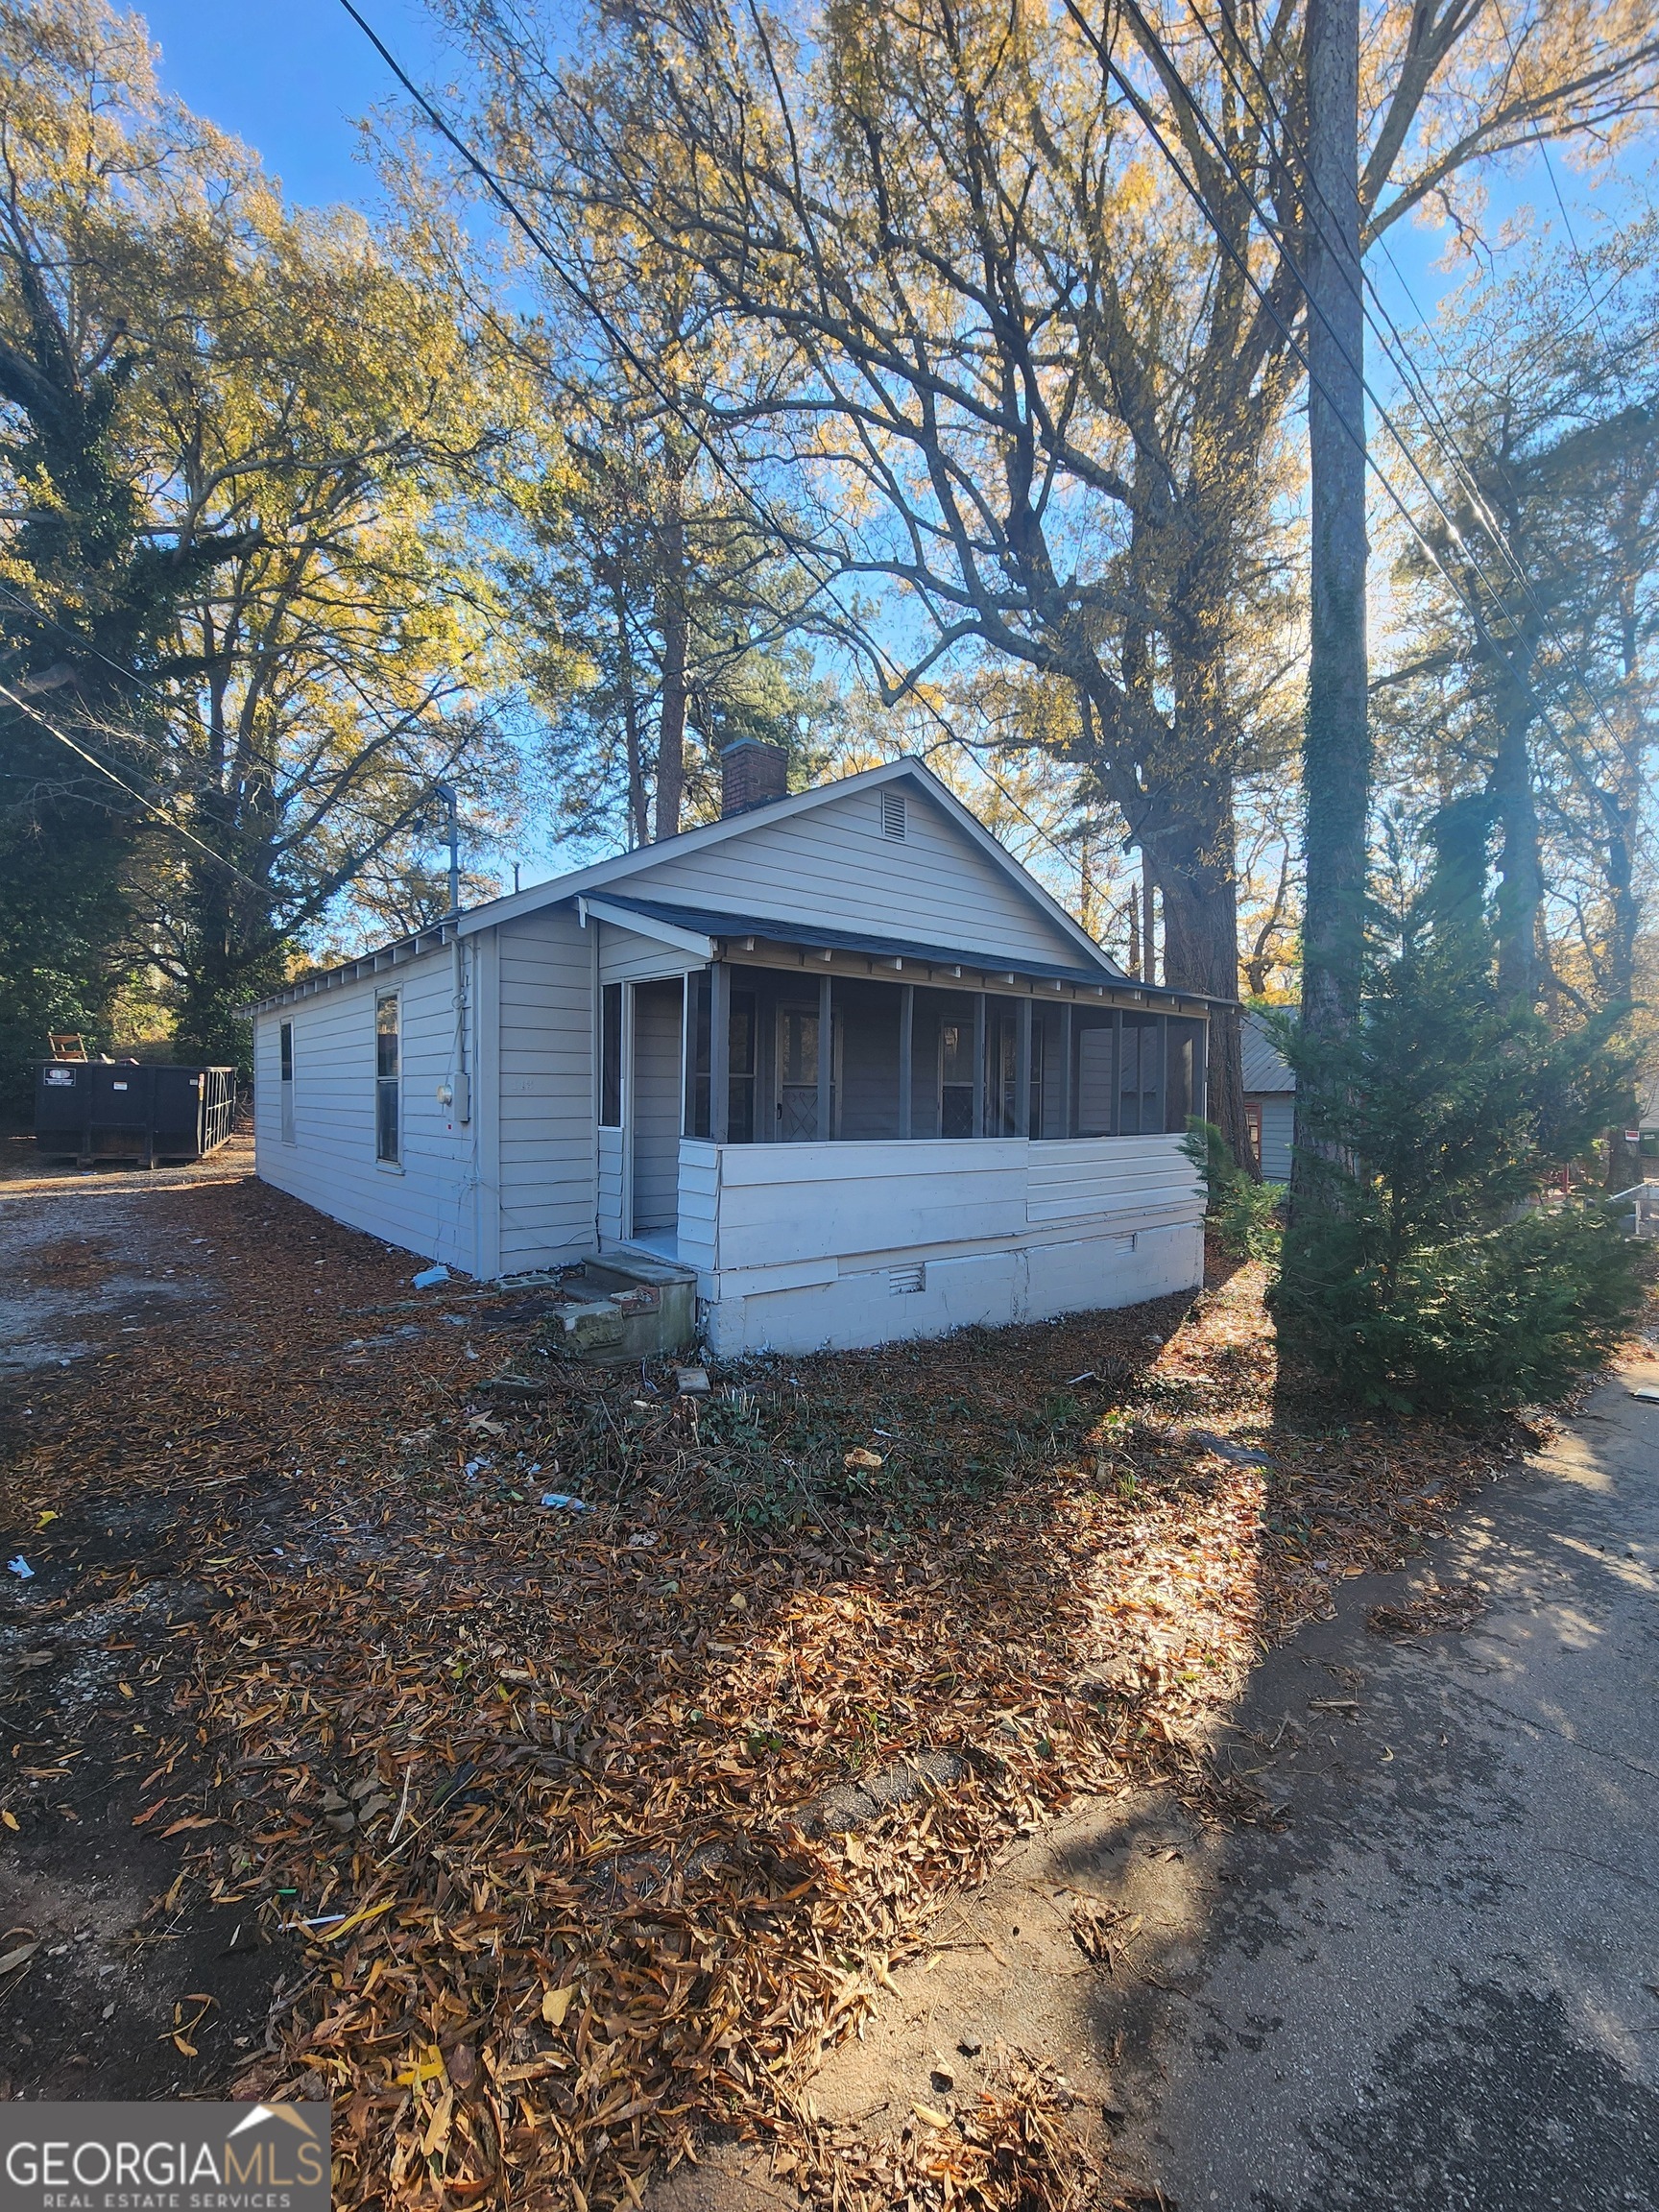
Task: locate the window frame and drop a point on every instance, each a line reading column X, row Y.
column 613, row 1061
column 285, row 1078
column 389, row 1086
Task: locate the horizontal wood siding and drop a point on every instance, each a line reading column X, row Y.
column 626, row 957
column 779, row 1205
column 1094, row 1175
column 612, row 1220
column 785, row 1202
column 833, row 864
column 1278, row 1136
column 549, row 1195
column 699, row 1202
column 425, row 1205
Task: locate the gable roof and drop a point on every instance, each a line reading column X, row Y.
column 628, row 867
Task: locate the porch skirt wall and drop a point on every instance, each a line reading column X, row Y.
column 864, row 1304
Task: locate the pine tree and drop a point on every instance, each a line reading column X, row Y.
column 1420, row 1273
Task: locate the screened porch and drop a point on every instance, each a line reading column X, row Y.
column 775, row 1056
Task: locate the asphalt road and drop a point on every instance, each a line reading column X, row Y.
column 1438, row 1987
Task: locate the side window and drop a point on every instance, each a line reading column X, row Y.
column 611, row 1057
column 285, row 1036
column 388, row 1079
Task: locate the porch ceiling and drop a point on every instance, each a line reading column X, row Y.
column 827, row 937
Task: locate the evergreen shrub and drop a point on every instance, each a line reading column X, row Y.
column 1420, row 1272
column 1246, row 1214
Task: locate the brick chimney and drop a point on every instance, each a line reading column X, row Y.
column 751, row 775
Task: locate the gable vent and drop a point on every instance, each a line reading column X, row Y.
column 893, row 823
column 902, row 1281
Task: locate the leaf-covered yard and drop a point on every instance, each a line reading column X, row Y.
column 575, row 1836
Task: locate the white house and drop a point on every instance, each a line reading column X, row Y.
column 836, row 1053
column 1269, row 1100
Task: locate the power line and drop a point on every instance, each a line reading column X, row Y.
column 1400, row 360
column 1195, row 193
column 149, row 805
column 1539, row 141
column 580, row 293
column 584, row 300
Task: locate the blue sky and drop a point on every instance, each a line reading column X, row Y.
column 291, row 77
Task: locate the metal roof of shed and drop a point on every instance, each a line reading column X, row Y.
column 1265, row 1070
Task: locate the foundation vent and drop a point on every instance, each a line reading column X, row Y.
column 902, row 1280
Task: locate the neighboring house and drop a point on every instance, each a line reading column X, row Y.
column 1270, row 1101
column 1647, row 1116
column 836, row 1053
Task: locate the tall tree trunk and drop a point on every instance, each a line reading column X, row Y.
column 1201, row 955
column 1521, row 874
column 1336, row 738
column 1337, row 745
column 1624, row 1160
column 671, row 723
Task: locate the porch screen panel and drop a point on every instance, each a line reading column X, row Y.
column 1002, row 1067
column 798, row 1074
column 1140, row 1075
column 743, row 1065
column 867, row 1023
column 1183, row 1072
column 697, row 1042
column 1093, row 1050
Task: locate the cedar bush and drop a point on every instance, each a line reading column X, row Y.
column 1246, row 1214
column 1419, row 1273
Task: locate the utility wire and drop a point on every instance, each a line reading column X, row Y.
column 149, row 805
column 1195, row 193
column 1400, row 360
column 580, row 293
column 1540, row 142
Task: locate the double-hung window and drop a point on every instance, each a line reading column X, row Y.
column 388, row 1081
column 285, row 1048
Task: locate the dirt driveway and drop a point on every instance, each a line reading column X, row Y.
column 118, row 1975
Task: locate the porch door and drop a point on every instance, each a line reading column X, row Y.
column 654, row 1107
column 797, row 1030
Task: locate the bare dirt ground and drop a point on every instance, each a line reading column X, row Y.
column 870, row 1799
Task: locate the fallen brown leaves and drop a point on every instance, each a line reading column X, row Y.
column 541, row 1790
column 1442, row 1605
column 1013, row 2148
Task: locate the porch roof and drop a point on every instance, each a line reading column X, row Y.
column 818, row 936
